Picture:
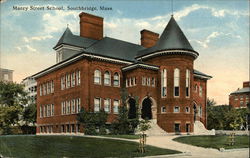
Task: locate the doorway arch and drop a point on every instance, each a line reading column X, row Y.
column 148, row 108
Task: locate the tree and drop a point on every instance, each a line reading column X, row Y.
column 13, row 98
column 211, row 102
column 29, row 114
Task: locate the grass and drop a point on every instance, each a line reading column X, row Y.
column 72, row 146
column 215, row 141
column 123, row 136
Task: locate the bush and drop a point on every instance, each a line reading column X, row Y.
column 94, row 123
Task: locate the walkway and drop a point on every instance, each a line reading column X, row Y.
column 193, row 151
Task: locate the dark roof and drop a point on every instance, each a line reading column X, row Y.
column 69, row 38
column 242, row 90
column 172, row 38
column 115, row 48
column 196, row 72
column 139, row 64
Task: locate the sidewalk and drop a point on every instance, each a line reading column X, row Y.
column 193, row 151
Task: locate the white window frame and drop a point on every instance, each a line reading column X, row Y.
column 41, row 90
column 175, row 109
column 176, row 82
column 107, row 78
column 68, row 107
column 163, row 109
column 107, row 105
column 73, row 106
column 52, row 86
column 153, row 82
column 67, row 80
column 116, row 81
column 41, row 111
column 187, row 90
column 116, row 107
column 78, row 77
column 187, row 109
column 164, row 83
column 45, row 111
column 97, row 77
column 52, row 110
column 200, row 90
column 63, row 82
column 144, row 82
column 73, row 79
column 97, row 104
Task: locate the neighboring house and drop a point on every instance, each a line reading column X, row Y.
column 6, row 75
column 30, row 86
column 91, row 71
column 240, row 97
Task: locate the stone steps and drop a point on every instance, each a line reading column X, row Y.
column 155, row 130
column 199, row 129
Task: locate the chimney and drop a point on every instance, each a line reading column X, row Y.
column 91, row 26
column 148, row 38
column 246, row 84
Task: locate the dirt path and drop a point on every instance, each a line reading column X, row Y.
column 194, row 152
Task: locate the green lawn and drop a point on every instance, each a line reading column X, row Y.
column 123, row 136
column 215, row 141
column 72, row 146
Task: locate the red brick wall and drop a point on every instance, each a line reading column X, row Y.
column 148, row 38
column 91, row 26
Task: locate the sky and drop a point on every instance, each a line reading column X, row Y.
column 217, row 29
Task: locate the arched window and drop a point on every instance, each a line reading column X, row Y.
column 116, row 79
column 97, row 77
column 176, row 82
column 164, row 83
column 187, row 83
column 107, row 78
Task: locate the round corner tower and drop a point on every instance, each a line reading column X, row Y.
column 175, row 57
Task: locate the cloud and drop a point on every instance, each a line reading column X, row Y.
column 213, row 35
column 36, row 38
column 2, row 1
column 26, row 48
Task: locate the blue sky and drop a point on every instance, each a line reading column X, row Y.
column 217, row 29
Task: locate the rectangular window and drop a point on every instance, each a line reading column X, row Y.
column 97, row 104
column 73, row 79
column 45, row 111
column 48, row 110
column 48, row 87
column 144, row 81
column 73, row 128
column 41, row 90
column 52, row 86
column 187, row 83
column 148, row 81
column 62, row 110
column 241, row 97
column 78, row 105
column 67, row 80
column 62, row 82
column 78, row 127
column 176, row 82
column 164, row 83
column 236, row 98
column 107, row 105
column 126, row 82
column 52, row 109
column 44, row 89
column 200, row 91
column 68, row 107
column 153, row 82
column 41, row 111
column 241, row 103
column 73, row 107
column 163, row 109
column 131, row 81
column 134, row 79
column 187, row 109
column 62, row 129
column 78, row 77
column 115, row 106
column 176, row 109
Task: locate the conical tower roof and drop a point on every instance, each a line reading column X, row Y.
column 172, row 38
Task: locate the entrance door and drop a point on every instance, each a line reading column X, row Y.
column 177, row 128
column 195, row 112
column 146, row 111
column 132, row 109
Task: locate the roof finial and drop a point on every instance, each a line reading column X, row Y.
column 172, row 8
column 67, row 25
